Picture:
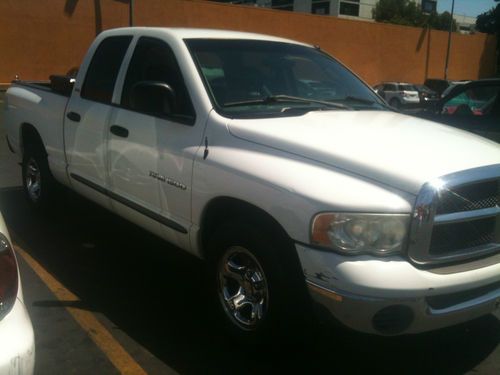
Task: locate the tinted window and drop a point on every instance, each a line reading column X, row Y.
column 475, row 101
column 103, row 70
column 349, row 8
column 154, row 61
column 407, row 88
column 321, row 8
column 437, row 85
column 425, row 89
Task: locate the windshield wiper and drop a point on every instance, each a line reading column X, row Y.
column 286, row 98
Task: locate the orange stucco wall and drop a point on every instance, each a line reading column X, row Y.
column 40, row 37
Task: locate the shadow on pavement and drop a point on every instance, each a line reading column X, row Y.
column 158, row 296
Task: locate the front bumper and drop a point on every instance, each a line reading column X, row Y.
column 17, row 343
column 389, row 296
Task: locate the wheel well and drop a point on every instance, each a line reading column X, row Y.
column 31, row 138
column 223, row 209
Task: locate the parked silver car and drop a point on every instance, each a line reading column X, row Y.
column 398, row 94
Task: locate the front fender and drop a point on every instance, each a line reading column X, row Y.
column 288, row 187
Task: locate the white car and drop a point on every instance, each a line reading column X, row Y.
column 17, row 344
column 398, row 94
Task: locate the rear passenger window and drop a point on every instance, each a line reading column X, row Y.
column 475, row 101
column 154, row 61
column 103, row 69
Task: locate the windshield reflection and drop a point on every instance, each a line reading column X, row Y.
column 255, row 77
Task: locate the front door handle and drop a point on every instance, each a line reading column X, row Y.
column 119, row 131
column 73, row 116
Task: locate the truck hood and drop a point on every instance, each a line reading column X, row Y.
column 394, row 149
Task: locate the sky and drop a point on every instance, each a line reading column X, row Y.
column 468, row 7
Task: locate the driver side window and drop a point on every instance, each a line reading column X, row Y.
column 154, row 61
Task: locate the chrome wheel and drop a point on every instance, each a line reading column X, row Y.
column 33, row 180
column 242, row 288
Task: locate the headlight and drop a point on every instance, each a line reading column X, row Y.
column 353, row 233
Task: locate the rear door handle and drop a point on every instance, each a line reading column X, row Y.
column 119, row 131
column 73, row 116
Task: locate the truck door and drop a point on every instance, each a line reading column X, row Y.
column 152, row 143
column 87, row 116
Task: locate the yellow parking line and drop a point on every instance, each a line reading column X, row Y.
column 97, row 332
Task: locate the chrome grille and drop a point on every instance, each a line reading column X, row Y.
column 457, row 217
column 452, row 237
column 469, row 197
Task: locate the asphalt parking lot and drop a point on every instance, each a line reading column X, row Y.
column 106, row 297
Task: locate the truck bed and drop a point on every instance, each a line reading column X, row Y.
column 57, row 84
column 41, row 105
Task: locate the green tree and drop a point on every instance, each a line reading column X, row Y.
column 407, row 12
column 489, row 22
column 441, row 21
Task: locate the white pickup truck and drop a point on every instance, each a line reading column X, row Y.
column 274, row 162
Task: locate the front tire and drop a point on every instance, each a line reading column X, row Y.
column 259, row 287
column 38, row 183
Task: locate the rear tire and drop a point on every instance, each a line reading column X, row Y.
column 38, row 182
column 258, row 285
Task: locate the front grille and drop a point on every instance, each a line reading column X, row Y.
column 454, row 237
column 460, row 220
column 469, row 197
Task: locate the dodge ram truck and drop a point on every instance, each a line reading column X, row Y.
column 279, row 166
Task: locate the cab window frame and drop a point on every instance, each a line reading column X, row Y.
column 95, row 62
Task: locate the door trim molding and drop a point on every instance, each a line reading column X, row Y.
column 134, row 206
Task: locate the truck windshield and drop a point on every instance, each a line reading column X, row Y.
column 255, row 78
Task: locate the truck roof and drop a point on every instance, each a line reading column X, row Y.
column 195, row 33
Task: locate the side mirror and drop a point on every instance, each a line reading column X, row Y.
column 153, row 97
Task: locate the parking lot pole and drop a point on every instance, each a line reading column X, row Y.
column 131, row 13
column 449, row 41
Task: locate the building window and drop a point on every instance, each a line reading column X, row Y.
column 349, row 8
column 429, row 6
column 321, row 7
column 282, row 4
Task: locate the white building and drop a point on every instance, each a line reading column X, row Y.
column 465, row 24
column 359, row 9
